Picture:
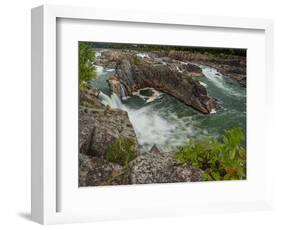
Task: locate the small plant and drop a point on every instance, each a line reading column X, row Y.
column 220, row 159
column 122, row 151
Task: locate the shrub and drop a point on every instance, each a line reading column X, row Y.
column 220, row 159
column 122, row 151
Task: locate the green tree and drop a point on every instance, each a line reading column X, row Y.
column 87, row 70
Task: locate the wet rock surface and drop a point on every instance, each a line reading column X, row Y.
column 142, row 74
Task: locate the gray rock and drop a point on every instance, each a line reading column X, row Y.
column 94, row 171
column 89, row 98
column 100, row 128
column 141, row 74
column 145, row 169
column 161, row 168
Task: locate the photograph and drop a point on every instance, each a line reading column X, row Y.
column 152, row 113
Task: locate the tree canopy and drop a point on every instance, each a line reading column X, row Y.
column 87, row 70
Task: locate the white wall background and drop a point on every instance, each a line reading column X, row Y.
column 15, row 112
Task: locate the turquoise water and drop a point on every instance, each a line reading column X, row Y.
column 169, row 123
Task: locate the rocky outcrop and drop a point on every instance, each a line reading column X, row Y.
column 135, row 75
column 89, row 98
column 232, row 66
column 145, row 169
column 161, row 168
column 100, row 126
column 99, row 129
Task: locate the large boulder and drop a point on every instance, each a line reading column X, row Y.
column 135, row 75
column 101, row 128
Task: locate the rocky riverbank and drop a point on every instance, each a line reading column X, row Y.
column 101, row 127
column 232, row 66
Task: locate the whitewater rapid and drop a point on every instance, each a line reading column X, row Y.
column 151, row 126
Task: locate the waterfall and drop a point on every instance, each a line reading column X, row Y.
column 104, row 99
column 116, row 102
column 99, row 69
column 123, row 92
column 113, row 101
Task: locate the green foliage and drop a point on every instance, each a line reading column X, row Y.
column 220, row 159
column 122, row 151
column 87, row 70
column 148, row 48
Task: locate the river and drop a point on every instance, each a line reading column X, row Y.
column 162, row 120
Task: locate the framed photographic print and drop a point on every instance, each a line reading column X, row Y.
column 140, row 114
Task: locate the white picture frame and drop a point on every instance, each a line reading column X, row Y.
column 45, row 162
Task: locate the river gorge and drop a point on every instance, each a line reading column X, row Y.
column 143, row 107
column 160, row 119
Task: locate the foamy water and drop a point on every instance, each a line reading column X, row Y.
column 162, row 120
column 219, row 81
column 151, row 126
